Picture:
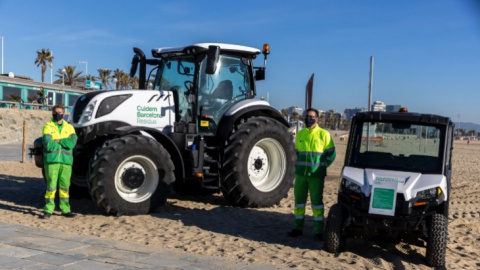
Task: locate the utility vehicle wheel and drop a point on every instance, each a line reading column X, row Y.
column 437, row 240
column 130, row 175
column 335, row 238
column 259, row 162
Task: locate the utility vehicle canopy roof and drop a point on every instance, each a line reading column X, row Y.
column 403, row 116
column 201, row 47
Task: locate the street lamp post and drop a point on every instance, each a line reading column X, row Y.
column 86, row 67
column 2, row 52
column 115, row 83
column 63, row 77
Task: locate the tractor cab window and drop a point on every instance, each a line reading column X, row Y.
column 176, row 75
column 218, row 92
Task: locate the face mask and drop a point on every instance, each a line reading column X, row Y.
column 309, row 122
column 57, row 116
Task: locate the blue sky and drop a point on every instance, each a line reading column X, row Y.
column 427, row 53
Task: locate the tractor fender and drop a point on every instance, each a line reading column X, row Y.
column 246, row 109
column 164, row 140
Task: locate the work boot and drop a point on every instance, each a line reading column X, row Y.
column 319, row 236
column 46, row 215
column 69, row 215
column 295, row 233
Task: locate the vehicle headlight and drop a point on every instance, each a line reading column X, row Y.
column 352, row 186
column 428, row 193
column 87, row 114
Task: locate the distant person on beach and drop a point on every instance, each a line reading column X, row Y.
column 315, row 152
column 58, row 140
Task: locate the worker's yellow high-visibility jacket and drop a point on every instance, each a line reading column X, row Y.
column 315, row 152
column 58, row 152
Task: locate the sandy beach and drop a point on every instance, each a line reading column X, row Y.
column 209, row 226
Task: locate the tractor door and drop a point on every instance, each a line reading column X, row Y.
column 177, row 75
column 231, row 83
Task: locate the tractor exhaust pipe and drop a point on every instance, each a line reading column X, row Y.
column 139, row 58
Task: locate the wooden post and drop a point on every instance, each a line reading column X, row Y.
column 24, row 145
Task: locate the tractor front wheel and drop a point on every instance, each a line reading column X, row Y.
column 130, row 175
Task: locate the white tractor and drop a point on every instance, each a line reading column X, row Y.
column 198, row 130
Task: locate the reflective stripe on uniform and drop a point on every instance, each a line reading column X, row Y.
column 304, row 153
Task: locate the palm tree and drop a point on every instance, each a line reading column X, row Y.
column 69, row 77
column 118, row 74
column 104, row 76
column 43, row 57
column 134, row 82
column 91, row 78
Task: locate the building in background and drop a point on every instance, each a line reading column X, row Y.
column 349, row 113
column 379, row 106
column 393, row 108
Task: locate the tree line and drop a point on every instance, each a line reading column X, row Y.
column 69, row 76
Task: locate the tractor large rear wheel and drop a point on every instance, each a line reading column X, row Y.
column 258, row 170
column 130, row 175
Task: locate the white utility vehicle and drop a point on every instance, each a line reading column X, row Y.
column 395, row 182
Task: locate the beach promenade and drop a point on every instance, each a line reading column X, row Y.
column 23, row 247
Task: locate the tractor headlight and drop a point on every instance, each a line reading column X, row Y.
column 87, row 114
column 428, row 193
column 351, row 186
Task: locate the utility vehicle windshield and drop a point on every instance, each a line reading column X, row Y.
column 398, row 146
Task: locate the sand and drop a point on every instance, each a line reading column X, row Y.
column 209, row 226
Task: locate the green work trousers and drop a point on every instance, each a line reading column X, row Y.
column 57, row 174
column 303, row 184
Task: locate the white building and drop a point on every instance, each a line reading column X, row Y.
column 379, row 106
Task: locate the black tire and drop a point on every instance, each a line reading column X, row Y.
column 335, row 238
column 437, row 240
column 130, row 175
column 78, row 187
column 258, row 170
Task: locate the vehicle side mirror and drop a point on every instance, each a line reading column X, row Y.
column 213, row 55
column 260, row 74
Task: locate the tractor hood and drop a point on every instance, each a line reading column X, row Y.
column 151, row 108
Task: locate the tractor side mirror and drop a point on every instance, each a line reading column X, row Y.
column 260, row 74
column 213, row 55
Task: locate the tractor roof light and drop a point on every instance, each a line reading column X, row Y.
column 266, row 49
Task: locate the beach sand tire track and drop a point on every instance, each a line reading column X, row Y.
column 437, row 240
column 106, row 164
column 335, row 238
column 271, row 137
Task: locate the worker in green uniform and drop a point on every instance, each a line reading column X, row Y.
column 315, row 152
column 58, row 140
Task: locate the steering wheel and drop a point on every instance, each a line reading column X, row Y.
column 188, row 85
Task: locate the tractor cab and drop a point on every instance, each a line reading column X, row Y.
column 206, row 80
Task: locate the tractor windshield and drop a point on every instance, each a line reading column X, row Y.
column 217, row 92
column 398, row 146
